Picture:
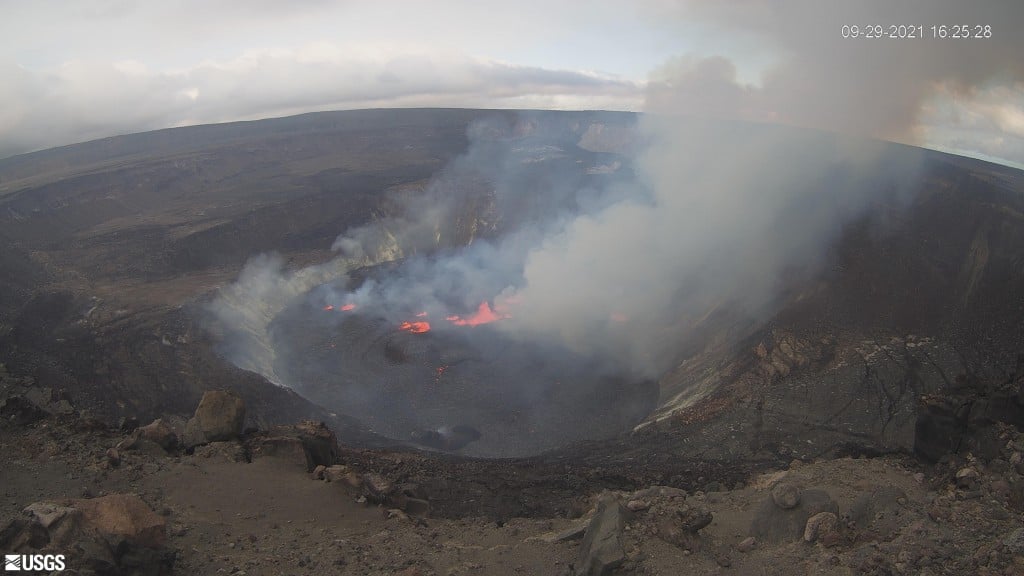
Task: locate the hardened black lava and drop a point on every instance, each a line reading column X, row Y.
column 466, row 388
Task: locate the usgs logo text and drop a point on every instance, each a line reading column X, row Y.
column 33, row 562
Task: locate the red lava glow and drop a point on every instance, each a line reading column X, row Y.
column 328, row 307
column 415, row 327
column 441, row 370
column 348, row 307
column 421, row 315
column 483, row 315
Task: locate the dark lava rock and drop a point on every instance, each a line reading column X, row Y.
column 128, row 424
column 602, row 549
column 137, row 443
column 115, row 534
column 821, row 526
column 963, row 420
column 747, row 544
column 967, row 478
column 113, row 457
column 21, row 410
column 378, row 488
column 309, row 444
column 785, row 495
column 160, row 433
column 693, row 518
column 774, row 524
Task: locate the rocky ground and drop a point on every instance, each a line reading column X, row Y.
column 204, row 496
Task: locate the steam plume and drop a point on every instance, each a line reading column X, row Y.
column 709, row 216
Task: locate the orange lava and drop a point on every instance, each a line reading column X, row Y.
column 348, row 307
column 483, row 315
column 328, row 308
column 421, row 315
column 415, row 327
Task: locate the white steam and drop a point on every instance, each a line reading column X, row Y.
column 717, row 216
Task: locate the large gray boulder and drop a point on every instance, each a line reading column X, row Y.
column 115, row 534
column 219, row 416
column 159, row 432
column 775, row 523
column 602, row 549
column 307, row 444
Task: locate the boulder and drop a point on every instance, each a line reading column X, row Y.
column 48, row 514
column 287, row 449
column 775, row 524
column 128, row 424
column 378, row 488
column 308, row 444
column 137, row 443
column 679, row 526
column 124, row 515
column 821, row 525
column 116, row 534
column 20, row 410
column 219, row 416
column 602, row 549
column 879, row 511
column 693, row 518
column 747, row 544
column 786, row 495
column 159, row 433
column 967, row 478
column 335, row 473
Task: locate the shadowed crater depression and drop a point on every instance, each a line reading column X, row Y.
column 452, row 383
column 417, row 327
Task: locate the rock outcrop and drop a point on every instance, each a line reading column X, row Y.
column 219, row 416
column 115, row 534
column 777, row 523
column 602, row 549
column 308, row 444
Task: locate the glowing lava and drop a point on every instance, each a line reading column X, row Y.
column 348, row 307
column 329, row 307
column 415, row 327
column 483, row 315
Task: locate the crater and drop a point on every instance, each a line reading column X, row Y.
column 441, row 385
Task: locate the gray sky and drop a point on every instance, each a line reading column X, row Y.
column 73, row 71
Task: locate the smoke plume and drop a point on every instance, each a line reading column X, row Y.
column 620, row 259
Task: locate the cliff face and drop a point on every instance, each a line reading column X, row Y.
column 916, row 301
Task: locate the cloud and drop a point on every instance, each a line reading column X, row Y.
column 81, row 100
column 986, row 122
column 870, row 87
